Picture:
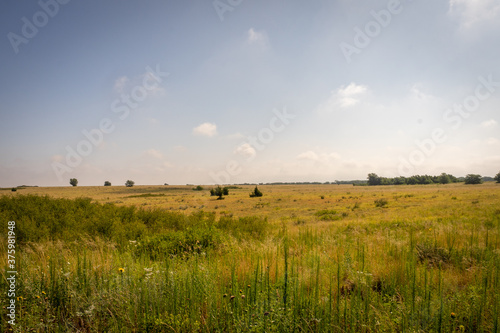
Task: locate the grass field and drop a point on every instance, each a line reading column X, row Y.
column 302, row 258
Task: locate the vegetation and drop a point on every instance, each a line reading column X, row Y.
column 219, row 192
column 497, row 177
column 256, row 193
column 129, row 183
column 198, row 188
column 73, row 181
column 471, row 179
column 107, row 183
column 425, row 263
column 374, row 179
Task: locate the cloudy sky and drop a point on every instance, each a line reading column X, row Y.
column 236, row 91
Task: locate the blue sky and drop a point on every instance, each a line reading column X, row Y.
column 236, row 91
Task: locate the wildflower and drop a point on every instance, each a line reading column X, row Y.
column 43, row 292
column 231, row 298
column 121, row 270
column 243, row 296
column 453, row 315
column 37, row 296
column 225, row 295
column 20, row 298
column 248, row 286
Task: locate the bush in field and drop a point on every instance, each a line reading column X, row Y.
column 256, row 193
column 328, row 215
column 73, row 181
column 198, row 188
column 381, row 202
column 219, row 192
column 129, row 183
column 107, row 183
column 471, row 179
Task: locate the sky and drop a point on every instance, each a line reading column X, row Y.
column 235, row 91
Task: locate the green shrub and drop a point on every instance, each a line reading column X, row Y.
column 256, row 193
column 381, row 202
column 328, row 215
column 184, row 243
column 40, row 218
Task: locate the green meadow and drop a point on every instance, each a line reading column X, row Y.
column 301, row 258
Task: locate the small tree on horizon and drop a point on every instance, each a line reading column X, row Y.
column 107, row 183
column 129, row 183
column 256, row 193
column 73, row 181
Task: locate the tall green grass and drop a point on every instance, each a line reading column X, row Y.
column 196, row 273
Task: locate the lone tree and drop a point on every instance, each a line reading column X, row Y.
column 256, row 193
column 219, row 192
column 497, row 177
column 107, row 183
column 129, row 183
column 73, row 181
column 473, row 179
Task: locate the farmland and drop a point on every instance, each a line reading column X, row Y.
column 309, row 258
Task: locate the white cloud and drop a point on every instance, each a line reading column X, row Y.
column 154, row 153
column 472, row 12
column 343, row 97
column 206, row 129
column 256, row 36
column 120, row 84
column 246, row 150
column 308, row 155
column 153, row 88
column 489, row 123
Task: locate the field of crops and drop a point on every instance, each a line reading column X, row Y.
column 301, row 258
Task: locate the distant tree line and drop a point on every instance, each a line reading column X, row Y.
column 444, row 178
